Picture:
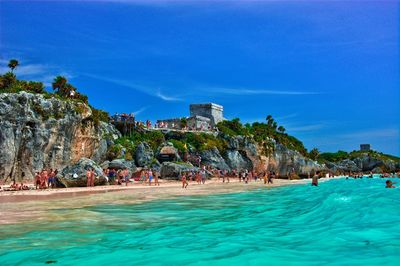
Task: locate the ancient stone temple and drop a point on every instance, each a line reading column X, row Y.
column 203, row 117
column 210, row 110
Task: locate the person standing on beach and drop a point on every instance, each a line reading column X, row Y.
column 315, row 179
column 126, row 176
column 198, row 177
column 270, row 176
column 184, row 181
column 88, row 177
column 265, row 177
column 150, row 173
column 92, row 177
column 44, row 178
column 37, row 180
column 203, row 175
column 155, row 174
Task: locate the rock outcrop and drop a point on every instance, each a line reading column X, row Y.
column 75, row 175
column 38, row 132
column 118, row 164
column 213, row 158
column 241, row 153
column 170, row 170
column 364, row 163
column 285, row 161
column 144, row 154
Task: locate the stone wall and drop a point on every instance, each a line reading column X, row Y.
column 210, row 110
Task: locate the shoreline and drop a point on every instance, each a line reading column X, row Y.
column 42, row 205
column 45, row 194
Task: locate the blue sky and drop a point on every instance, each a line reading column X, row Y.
column 326, row 70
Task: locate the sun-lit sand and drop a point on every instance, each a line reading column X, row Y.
column 19, row 206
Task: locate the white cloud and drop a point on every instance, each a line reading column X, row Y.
column 141, row 110
column 138, row 87
column 245, row 91
column 373, row 133
column 305, row 128
column 167, row 98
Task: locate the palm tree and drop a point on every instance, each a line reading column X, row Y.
column 314, row 154
column 13, row 64
column 59, row 85
column 281, row 129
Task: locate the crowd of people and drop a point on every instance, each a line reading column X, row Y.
column 47, row 178
column 121, row 176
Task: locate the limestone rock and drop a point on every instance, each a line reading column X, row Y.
column 67, row 179
column 238, row 161
column 284, row 161
column 170, row 170
column 213, row 157
column 118, row 164
column 144, row 154
column 39, row 132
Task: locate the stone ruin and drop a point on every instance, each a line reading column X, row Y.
column 203, row 117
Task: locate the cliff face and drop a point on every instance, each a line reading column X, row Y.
column 365, row 163
column 244, row 153
column 36, row 132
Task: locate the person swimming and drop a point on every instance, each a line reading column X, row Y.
column 389, row 184
column 315, row 179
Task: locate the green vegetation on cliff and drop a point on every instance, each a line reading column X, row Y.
column 263, row 133
column 62, row 90
column 342, row 155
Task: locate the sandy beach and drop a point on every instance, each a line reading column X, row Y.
column 19, row 206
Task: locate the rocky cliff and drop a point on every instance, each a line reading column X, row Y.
column 364, row 163
column 243, row 153
column 38, row 131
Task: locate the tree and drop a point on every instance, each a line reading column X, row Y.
column 59, row 85
column 270, row 121
column 7, row 80
column 281, row 129
column 184, row 122
column 314, row 154
column 13, row 64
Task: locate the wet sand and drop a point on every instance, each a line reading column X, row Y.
column 19, row 206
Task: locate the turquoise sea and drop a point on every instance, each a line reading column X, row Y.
column 341, row 222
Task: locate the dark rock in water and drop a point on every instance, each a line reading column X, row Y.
column 38, row 132
column 75, row 175
column 144, row 154
column 170, row 170
column 213, row 157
